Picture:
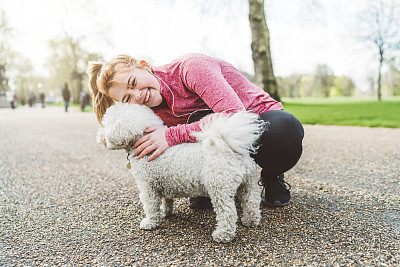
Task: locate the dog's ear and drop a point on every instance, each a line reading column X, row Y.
column 120, row 133
column 124, row 124
column 104, row 139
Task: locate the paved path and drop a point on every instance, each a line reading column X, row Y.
column 66, row 201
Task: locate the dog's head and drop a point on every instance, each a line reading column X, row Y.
column 124, row 124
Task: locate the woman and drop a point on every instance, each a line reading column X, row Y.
column 187, row 89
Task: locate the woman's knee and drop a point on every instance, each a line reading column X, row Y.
column 280, row 146
column 283, row 126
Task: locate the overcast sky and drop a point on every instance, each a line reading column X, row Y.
column 302, row 35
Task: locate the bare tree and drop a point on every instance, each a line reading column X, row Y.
column 371, row 84
column 344, row 86
column 68, row 58
column 392, row 80
column 323, row 80
column 6, row 51
column 380, row 27
column 25, row 80
column 260, row 43
column 290, row 86
column 67, row 62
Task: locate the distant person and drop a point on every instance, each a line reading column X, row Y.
column 42, row 97
column 66, row 95
column 31, row 99
column 84, row 99
column 12, row 98
column 88, row 98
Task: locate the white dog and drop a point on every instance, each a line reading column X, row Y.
column 218, row 166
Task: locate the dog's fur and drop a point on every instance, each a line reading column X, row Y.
column 218, row 165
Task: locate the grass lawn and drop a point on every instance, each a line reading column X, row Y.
column 88, row 108
column 336, row 111
column 350, row 111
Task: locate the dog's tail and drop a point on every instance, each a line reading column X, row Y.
column 239, row 131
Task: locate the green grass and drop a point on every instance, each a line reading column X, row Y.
column 349, row 112
column 337, row 111
column 88, row 108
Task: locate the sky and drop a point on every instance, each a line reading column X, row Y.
column 302, row 35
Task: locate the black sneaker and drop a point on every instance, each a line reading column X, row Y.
column 277, row 192
column 202, row 203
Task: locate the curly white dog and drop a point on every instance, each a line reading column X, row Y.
column 218, row 166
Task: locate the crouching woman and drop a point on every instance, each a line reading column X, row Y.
column 189, row 88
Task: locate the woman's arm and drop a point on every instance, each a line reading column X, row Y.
column 203, row 76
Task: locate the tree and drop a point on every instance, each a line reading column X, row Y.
column 380, row 27
column 6, row 51
column 391, row 80
column 344, row 86
column 25, row 80
column 260, row 40
column 68, row 63
column 261, row 49
column 3, row 78
column 323, row 80
column 290, row 86
column 371, row 84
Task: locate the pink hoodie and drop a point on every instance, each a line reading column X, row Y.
column 196, row 82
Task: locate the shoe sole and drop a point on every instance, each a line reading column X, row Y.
column 200, row 207
column 276, row 204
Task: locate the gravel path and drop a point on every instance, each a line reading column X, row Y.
column 66, row 201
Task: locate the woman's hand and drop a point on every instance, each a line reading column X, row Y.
column 154, row 141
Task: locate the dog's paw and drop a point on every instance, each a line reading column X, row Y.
column 166, row 213
column 167, row 210
column 148, row 224
column 222, row 236
column 251, row 221
column 101, row 138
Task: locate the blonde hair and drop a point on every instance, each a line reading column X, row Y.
column 101, row 79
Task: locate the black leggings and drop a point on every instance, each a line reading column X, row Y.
column 280, row 146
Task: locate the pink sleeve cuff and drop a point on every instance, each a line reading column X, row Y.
column 181, row 133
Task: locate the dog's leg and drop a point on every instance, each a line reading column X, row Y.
column 167, row 206
column 222, row 193
column 221, row 180
column 226, row 216
column 249, row 193
column 151, row 204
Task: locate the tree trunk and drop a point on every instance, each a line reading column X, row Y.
column 380, row 74
column 260, row 47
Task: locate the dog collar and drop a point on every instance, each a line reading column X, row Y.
column 127, row 157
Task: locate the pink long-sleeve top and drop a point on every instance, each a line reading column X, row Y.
column 197, row 82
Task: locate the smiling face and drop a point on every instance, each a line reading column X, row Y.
column 136, row 86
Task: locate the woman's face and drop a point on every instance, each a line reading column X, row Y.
column 137, row 86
